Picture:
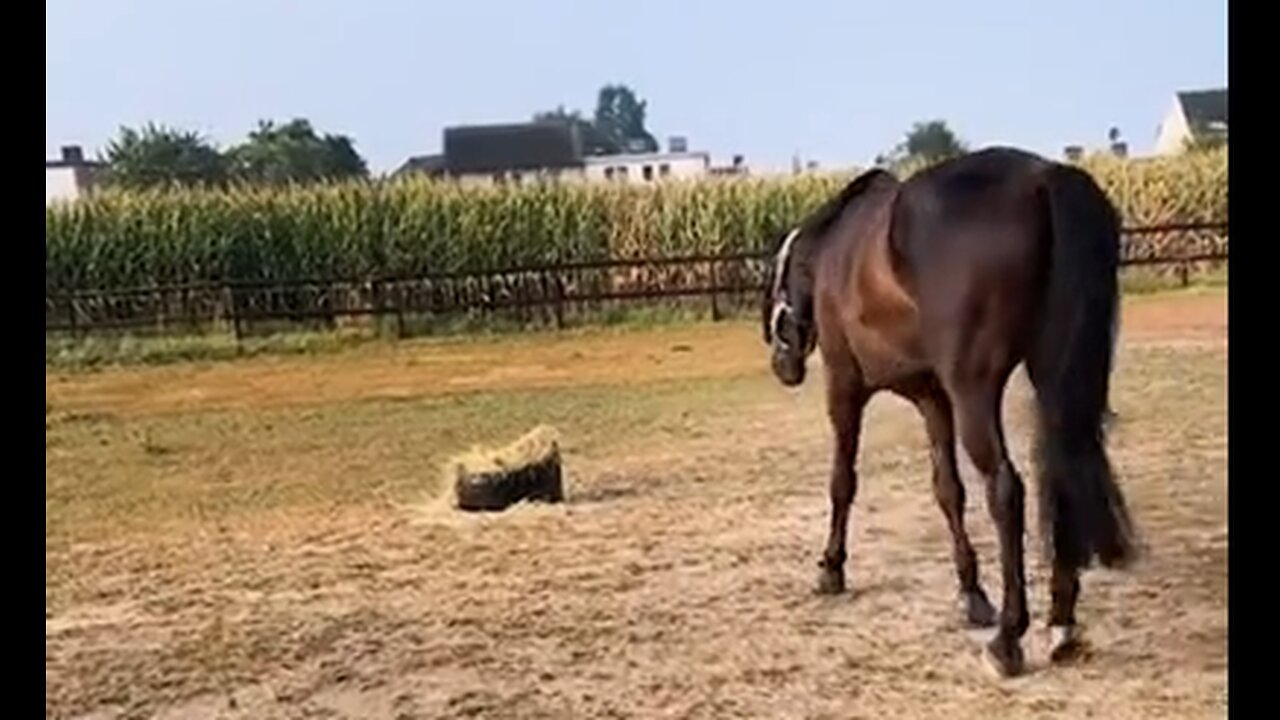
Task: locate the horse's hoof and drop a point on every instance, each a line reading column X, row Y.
column 978, row 610
column 830, row 582
column 1064, row 643
column 1003, row 658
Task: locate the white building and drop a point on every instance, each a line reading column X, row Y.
column 556, row 151
column 647, row 167
column 69, row 177
column 1194, row 116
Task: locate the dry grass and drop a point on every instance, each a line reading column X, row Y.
column 227, row 541
column 532, row 447
column 174, row 470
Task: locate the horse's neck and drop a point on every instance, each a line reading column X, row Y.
column 878, row 280
column 858, row 254
column 835, row 254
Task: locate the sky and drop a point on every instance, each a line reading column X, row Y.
column 836, row 81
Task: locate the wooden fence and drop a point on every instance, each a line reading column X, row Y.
column 547, row 294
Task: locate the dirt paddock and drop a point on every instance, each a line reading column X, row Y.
column 259, row 539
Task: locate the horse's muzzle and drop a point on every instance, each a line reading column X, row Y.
column 788, row 366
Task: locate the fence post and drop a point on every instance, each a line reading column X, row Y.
column 162, row 313
column 715, row 303
column 558, row 284
column 233, row 312
column 399, row 300
column 71, row 316
column 1184, row 273
column 190, row 310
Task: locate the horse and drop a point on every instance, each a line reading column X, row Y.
column 935, row 289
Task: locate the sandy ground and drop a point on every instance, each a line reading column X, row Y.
column 675, row 583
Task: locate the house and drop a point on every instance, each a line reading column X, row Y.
column 70, row 176
column 648, row 167
column 429, row 165
column 1195, row 116
column 554, row 149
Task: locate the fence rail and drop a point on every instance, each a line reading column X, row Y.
column 530, row 294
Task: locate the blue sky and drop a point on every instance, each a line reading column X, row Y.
column 835, row 81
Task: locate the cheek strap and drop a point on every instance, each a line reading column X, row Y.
column 780, row 308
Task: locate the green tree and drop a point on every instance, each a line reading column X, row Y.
column 294, row 153
column 157, row 156
column 926, row 143
column 617, row 127
column 620, row 116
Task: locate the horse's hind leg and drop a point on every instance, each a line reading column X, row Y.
column 935, row 408
column 1064, row 590
column 978, row 411
column 845, row 402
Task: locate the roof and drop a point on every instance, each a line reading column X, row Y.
column 49, row 164
column 522, row 146
column 428, row 164
column 1205, row 110
column 72, row 157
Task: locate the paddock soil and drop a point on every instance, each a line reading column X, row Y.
column 264, row 539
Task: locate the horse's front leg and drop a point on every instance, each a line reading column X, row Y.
column 845, row 400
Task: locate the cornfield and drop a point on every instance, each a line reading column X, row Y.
column 415, row 227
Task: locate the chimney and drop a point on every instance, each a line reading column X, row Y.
column 72, row 154
column 1120, row 149
column 677, row 144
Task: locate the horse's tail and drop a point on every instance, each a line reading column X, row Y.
column 1082, row 511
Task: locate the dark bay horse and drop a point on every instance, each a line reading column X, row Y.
column 935, row 289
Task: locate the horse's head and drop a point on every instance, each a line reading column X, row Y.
column 787, row 313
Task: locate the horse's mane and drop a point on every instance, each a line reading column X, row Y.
column 816, row 225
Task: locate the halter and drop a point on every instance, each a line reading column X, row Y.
column 781, row 303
